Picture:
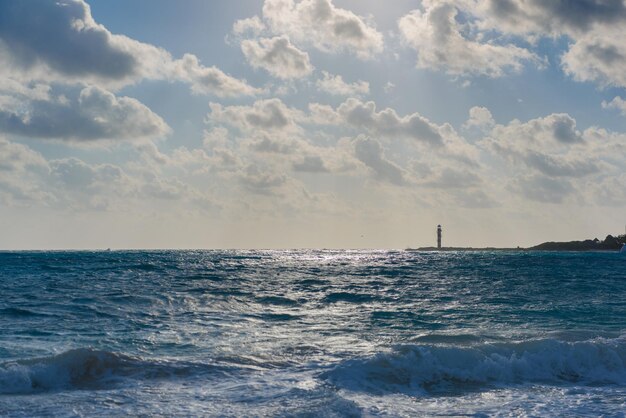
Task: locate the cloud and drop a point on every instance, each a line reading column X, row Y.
column 12, row 92
column 64, row 37
column 556, row 165
column 21, row 172
column 563, row 167
column 617, row 103
column 542, row 189
column 479, row 117
column 388, row 123
column 261, row 181
column 370, row 152
column 594, row 29
column 335, row 85
column 441, row 44
column 268, row 138
column 598, row 57
column 548, row 160
column 164, row 189
column 95, row 114
column 27, row 178
column 16, row 157
column 78, row 175
column 80, row 185
column 252, row 25
column 389, row 86
column 268, row 115
column 487, row 37
column 318, row 23
column 279, row 145
column 452, row 178
column 610, row 191
column 322, row 114
column 60, row 42
column 474, row 199
column 21, row 169
column 547, row 144
column 210, row 80
column 310, row 164
column 546, row 154
column 550, row 17
column 278, row 56
column 559, row 128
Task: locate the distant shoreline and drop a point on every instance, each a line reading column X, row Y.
column 491, row 249
column 610, row 244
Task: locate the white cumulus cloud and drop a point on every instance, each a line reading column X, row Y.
column 617, row 103
column 318, row 23
column 441, row 44
column 278, row 56
column 335, row 85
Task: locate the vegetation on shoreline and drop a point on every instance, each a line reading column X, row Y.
column 609, row 243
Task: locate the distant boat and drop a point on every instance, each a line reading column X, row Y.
column 623, row 250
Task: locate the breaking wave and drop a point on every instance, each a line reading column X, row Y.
column 430, row 369
column 86, row 368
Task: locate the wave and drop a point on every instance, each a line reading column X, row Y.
column 421, row 370
column 21, row 312
column 348, row 297
column 86, row 368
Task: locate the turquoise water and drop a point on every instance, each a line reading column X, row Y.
column 312, row 333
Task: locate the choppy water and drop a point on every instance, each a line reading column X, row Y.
column 312, row 333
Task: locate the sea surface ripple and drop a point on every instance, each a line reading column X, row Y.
column 312, row 333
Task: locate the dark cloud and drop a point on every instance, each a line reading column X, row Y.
column 95, row 114
column 62, row 35
column 555, row 167
column 607, row 54
column 388, row 123
column 370, row 152
column 59, row 41
column 271, row 116
column 564, row 129
column 576, row 15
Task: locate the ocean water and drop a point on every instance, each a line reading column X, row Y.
column 312, row 333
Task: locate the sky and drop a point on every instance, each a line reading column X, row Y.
column 310, row 123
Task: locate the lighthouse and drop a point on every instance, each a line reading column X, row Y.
column 439, row 237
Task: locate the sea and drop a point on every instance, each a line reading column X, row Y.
column 312, row 333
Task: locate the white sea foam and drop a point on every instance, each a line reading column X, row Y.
column 431, row 369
